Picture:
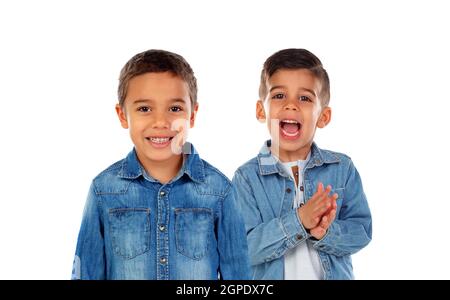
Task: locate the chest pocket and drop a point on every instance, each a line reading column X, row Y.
column 130, row 231
column 193, row 230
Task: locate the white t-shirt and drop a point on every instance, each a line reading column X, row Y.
column 301, row 262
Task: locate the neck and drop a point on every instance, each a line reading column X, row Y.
column 163, row 171
column 287, row 156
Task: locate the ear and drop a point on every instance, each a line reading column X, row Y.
column 193, row 115
column 122, row 116
column 260, row 112
column 325, row 117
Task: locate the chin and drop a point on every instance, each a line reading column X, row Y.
column 292, row 146
column 161, row 157
column 157, row 155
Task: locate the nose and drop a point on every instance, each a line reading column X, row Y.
column 160, row 121
column 291, row 104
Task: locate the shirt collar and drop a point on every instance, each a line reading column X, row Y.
column 192, row 166
column 269, row 164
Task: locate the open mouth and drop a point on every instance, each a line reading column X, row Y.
column 159, row 141
column 290, row 128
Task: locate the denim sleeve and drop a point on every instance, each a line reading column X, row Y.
column 266, row 240
column 232, row 243
column 89, row 262
column 352, row 229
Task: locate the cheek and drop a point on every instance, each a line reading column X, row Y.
column 310, row 127
column 138, row 124
column 316, row 111
column 272, row 121
column 273, row 110
column 312, row 116
column 178, row 124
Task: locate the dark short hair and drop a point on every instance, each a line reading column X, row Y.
column 295, row 59
column 157, row 61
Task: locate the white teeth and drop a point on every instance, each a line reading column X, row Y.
column 159, row 140
column 290, row 121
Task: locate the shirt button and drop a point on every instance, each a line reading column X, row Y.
column 163, row 260
column 298, row 237
column 162, row 193
column 162, row 227
column 301, row 188
column 288, row 190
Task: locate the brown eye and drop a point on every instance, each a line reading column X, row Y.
column 176, row 109
column 305, row 98
column 143, row 109
column 278, row 96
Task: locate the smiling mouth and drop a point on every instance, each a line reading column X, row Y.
column 290, row 128
column 159, row 140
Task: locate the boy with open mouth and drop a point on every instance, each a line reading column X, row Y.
column 304, row 207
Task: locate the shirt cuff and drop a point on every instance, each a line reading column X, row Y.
column 293, row 229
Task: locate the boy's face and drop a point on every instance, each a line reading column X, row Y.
column 157, row 111
column 292, row 109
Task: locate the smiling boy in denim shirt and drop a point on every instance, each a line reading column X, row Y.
column 296, row 227
column 162, row 212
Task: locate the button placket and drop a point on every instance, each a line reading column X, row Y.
column 162, row 238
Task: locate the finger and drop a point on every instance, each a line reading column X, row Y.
column 319, row 197
column 317, row 202
column 315, row 198
column 320, row 208
column 320, row 187
column 316, row 220
column 322, row 203
column 312, row 223
column 335, row 196
column 324, row 199
column 325, row 193
column 328, row 219
column 328, row 190
column 332, row 216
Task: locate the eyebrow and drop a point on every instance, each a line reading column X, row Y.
column 283, row 87
column 309, row 91
column 276, row 87
column 174, row 100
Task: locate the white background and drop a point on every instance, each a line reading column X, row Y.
column 389, row 67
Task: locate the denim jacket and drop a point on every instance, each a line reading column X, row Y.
column 134, row 227
column 265, row 194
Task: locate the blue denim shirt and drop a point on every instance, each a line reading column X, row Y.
column 134, row 227
column 265, row 194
